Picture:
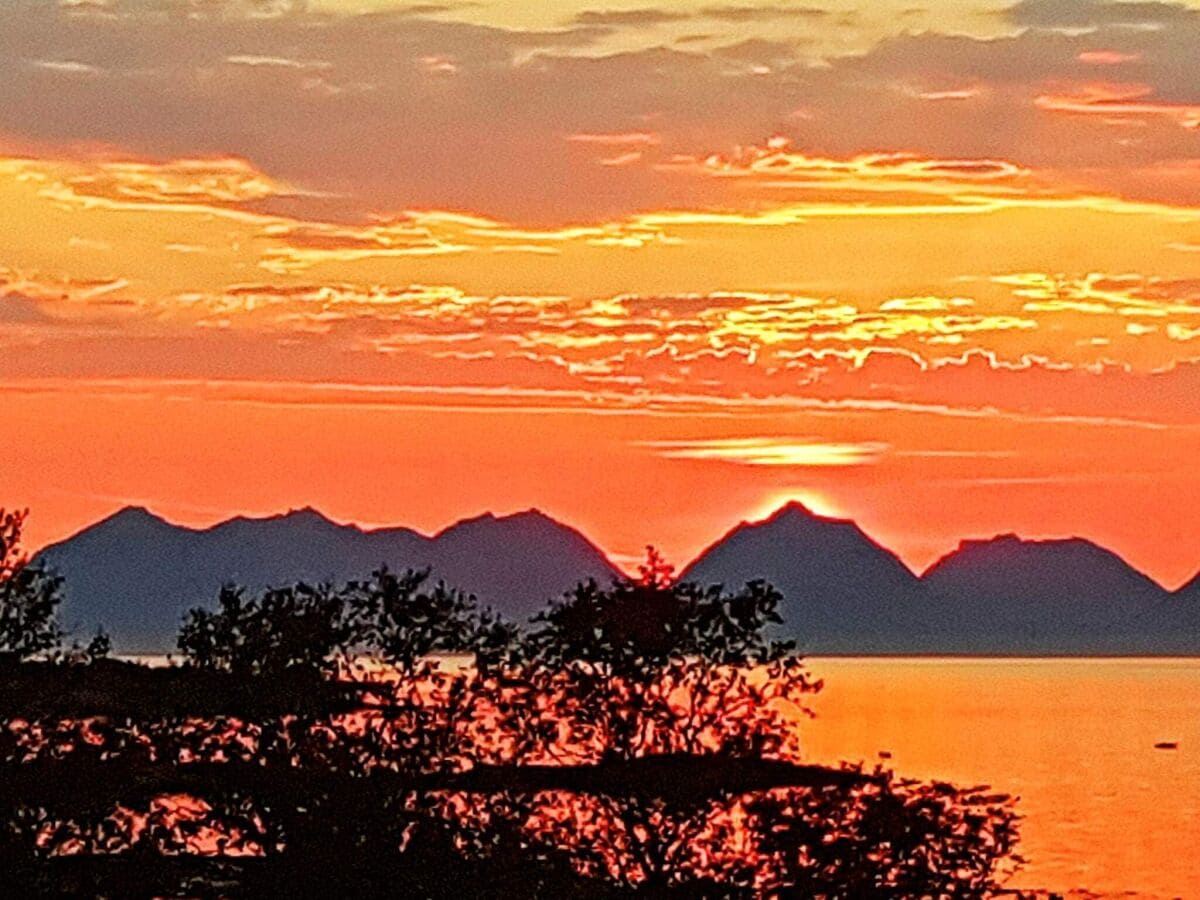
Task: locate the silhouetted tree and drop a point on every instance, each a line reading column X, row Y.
column 399, row 620
column 653, row 665
column 29, row 596
column 644, row 669
column 396, row 619
column 301, row 630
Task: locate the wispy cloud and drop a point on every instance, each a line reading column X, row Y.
column 275, row 62
column 772, row 451
column 1121, row 101
column 616, row 138
column 67, row 66
column 641, row 18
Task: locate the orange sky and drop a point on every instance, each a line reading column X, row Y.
column 651, row 268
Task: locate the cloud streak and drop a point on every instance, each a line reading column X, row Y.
column 772, row 451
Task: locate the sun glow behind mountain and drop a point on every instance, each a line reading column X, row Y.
column 816, row 501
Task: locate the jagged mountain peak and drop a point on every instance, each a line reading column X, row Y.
column 840, row 586
column 302, row 516
column 134, row 514
column 129, row 523
column 793, row 513
column 529, row 521
column 795, row 524
column 797, row 516
column 1039, row 595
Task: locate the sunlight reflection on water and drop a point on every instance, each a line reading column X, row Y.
column 1103, row 809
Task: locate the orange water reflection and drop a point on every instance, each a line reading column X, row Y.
column 1103, row 809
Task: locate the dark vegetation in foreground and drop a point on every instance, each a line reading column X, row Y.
column 637, row 740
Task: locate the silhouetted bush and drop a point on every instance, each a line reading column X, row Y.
column 888, row 837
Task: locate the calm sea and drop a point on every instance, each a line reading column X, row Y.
column 1104, row 811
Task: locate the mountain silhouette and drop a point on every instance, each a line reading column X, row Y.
column 1062, row 595
column 1173, row 626
column 1190, row 589
column 843, row 592
column 137, row 574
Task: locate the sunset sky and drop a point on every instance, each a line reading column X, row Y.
column 651, row 267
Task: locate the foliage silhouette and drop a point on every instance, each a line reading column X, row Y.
column 938, row 840
column 636, row 740
column 401, row 623
column 293, row 630
column 651, row 666
column 29, row 597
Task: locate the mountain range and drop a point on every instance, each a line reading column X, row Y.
column 137, row 574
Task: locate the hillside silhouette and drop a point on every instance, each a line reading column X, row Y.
column 843, row 592
column 137, row 573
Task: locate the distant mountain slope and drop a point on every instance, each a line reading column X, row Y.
column 137, row 574
column 843, row 592
column 522, row 560
column 1190, row 588
column 1037, row 596
column 1173, row 626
